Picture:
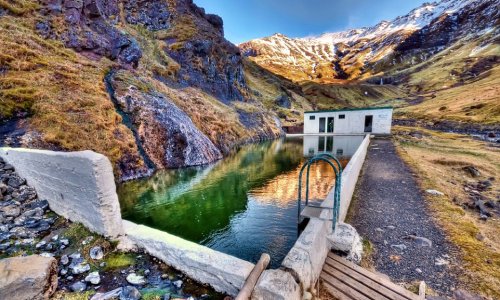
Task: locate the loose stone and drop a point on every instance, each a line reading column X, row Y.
column 135, row 279
column 421, row 241
column 130, row 293
column 434, row 192
column 93, row 278
column 78, row 286
column 96, row 253
column 80, row 267
column 177, row 284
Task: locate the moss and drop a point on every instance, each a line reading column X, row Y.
column 61, row 295
column 119, row 260
column 153, row 294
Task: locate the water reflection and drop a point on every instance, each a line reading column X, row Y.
column 243, row 205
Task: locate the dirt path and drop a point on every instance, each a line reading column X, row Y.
column 390, row 211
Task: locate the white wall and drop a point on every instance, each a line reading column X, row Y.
column 79, row 186
column 354, row 122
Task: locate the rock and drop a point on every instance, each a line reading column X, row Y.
column 64, row 260
column 420, row 241
column 78, row 286
column 78, row 266
column 47, row 254
column 464, row 295
column 135, row 279
column 55, row 237
column 16, row 181
column 40, row 244
column 307, row 296
column 400, row 247
column 434, row 192
column 130, row 293
column 64, row 242
column 182, row 143
column 379, row 230
column 93, row 278
column 108, row 295
column 43, row 204
column 441, row 262
column 472, row 171
column 96, row 253
column 391, row 227
column 177, row 284
column 345, row 238
column 277, row 285
column 63, row 272
column 418, row 270
column 30, row 277
column 283, row 101
column 10, row 210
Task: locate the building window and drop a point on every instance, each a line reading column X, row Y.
column 312, row 117
column 341, row 116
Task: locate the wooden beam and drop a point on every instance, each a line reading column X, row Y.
column 260, row 266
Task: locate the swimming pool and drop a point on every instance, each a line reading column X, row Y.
column 243, row 205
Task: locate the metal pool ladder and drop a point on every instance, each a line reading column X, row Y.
column 314, row 211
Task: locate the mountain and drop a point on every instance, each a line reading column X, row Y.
column 151, row 84
column 358, row 53
column 437, row 50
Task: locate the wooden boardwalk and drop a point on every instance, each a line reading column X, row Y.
column 347, row 281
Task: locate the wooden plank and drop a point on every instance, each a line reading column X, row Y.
column 260, row 266
column 365, row 280
column 353, row 283
column 347, row 290
column 335, row 292
column 381, row 280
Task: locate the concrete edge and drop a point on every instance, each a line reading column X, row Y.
column 225, row 273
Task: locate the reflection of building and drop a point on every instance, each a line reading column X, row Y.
column 375, row 120
column 338, row 145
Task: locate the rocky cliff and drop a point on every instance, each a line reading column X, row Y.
column 151, row 84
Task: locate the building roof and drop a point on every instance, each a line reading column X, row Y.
column 348, row 109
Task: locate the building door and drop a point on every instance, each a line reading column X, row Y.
column 368, row 123
column 322, row 124
column 330, row 125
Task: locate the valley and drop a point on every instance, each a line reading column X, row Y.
column 182, row 114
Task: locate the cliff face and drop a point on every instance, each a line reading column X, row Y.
column 151, row 84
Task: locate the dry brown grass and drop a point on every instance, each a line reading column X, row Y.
column 478, row 241
column 64, row 92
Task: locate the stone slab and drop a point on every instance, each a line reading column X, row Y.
column 79, row 186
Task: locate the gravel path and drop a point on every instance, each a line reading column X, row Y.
column 389, row 210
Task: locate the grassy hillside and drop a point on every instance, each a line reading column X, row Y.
column 62, row 91
column 461, row 83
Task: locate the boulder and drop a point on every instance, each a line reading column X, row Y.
column 31, row 277
column 283, row 101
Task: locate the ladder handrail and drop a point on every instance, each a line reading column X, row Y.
column 338, row 173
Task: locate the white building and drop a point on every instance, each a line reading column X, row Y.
column 376, row 120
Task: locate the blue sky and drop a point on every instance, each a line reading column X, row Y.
column 249, row 19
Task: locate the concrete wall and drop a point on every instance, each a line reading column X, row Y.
column 223, row 272
column 79, row 186
column 353, row 123
column 305, row 260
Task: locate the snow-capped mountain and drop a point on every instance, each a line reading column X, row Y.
column 359, row 53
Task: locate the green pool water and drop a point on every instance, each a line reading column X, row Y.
column 243, row 205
